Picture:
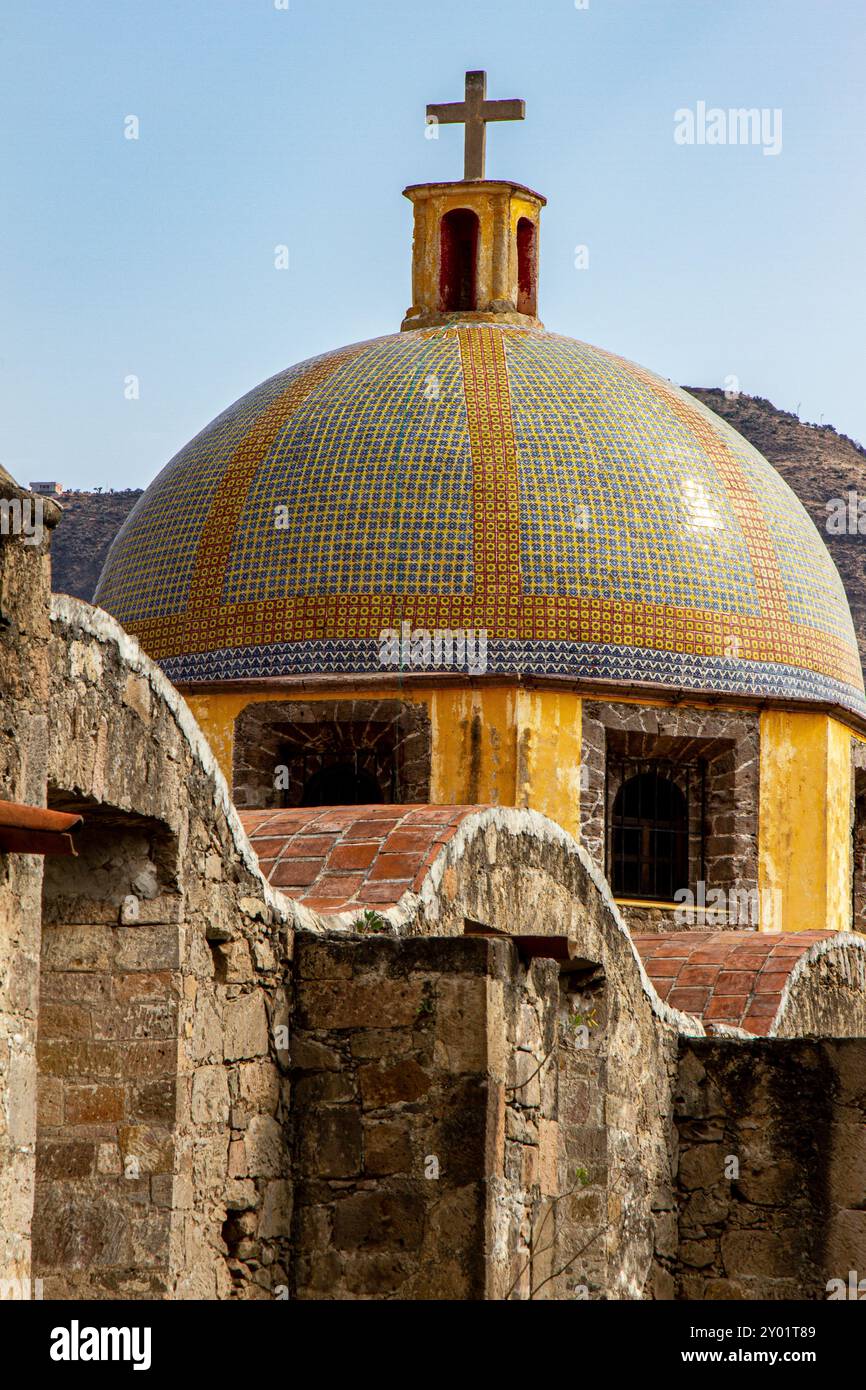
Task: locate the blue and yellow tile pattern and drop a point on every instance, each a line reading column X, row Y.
column 594, row 519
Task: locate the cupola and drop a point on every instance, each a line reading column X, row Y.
column 475, row 248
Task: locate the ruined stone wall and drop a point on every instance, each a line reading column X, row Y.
column 771, row 1189
column 163, row 1090
column 24, row 635
column 517, row 873
column 439, row 1123
column 396, row 1095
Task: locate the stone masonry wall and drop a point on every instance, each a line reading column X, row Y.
column 517, row 873
column 393, row 1112
column 164, row 1085
column 24, row 679
column 440, row 1115
column 771, row 1190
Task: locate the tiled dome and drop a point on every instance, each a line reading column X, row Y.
column 593, row 519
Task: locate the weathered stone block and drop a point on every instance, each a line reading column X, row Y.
column 702, row 1166
column 87, row 1105
column 210, row 1095
column 266, row 1151
column 461, row 1024
column 359, row 1003
column 390, row 1084
column 145, row 1148
column 330, row 1142
column 378, row 1221
column 276, row 1215
column 246, row 1027
column 387, row 1148
column 309, row 1055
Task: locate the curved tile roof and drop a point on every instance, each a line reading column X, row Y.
column 591, row 518
column 737, row 978
column 348, row 859
column 344, row 858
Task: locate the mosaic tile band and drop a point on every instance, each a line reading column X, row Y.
column 586, row 514
column 590, row 661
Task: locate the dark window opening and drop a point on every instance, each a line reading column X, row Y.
column 281, row 745
column 337, row 774
column 649, row 835
column 342, row 784
column 458, row 259
column 526, row 277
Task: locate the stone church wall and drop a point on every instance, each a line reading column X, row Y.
column 771, row 1188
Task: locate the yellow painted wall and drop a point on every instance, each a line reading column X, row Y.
column 548, row 755
column 804, row 837
column 495, row 744
column 518, row 747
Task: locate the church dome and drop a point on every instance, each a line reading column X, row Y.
column 591, row 519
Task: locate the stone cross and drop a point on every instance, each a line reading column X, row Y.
column 475, row 110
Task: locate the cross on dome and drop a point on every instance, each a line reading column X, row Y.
column 475, row 111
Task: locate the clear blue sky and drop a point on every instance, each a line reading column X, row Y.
column 261, row 126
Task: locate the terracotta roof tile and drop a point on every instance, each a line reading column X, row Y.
column 733, row 977
column 341, row 858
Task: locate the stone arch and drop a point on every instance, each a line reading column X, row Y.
column 824, row 994
column 164, row 966
column 516, row 872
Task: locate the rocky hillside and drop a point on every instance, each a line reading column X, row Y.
column 81, row 542
column 815, row 461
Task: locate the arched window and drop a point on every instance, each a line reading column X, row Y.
column 526, row 277
column 341, row 784
column 649, row 838
column 458, row 259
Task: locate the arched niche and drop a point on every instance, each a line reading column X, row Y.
column 527, row 277
column 458, row 261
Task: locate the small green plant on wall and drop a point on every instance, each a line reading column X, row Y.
column 370, row 921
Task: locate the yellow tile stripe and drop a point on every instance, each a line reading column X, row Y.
column 230, row 496
column 496, row 504
column 770, row 590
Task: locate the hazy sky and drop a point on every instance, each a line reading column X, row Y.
column 261, row 126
